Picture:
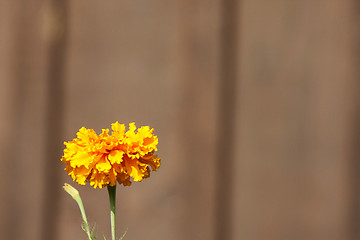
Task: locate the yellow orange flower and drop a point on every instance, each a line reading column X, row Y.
column 105, row 159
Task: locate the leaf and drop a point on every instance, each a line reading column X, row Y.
column 123, row 235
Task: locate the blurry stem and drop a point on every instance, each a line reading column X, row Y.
column 112, row 197
column 76, row 196
column 82, row 210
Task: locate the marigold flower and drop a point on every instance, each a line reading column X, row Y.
column 105, row 159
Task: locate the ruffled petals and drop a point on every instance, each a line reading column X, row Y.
column 105, row 159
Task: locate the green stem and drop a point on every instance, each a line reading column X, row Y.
column 82, row 210
column 76, row 196
column 112, row 197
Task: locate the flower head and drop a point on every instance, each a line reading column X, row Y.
column 105, row 159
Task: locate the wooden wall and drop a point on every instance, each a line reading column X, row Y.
column 255, row 104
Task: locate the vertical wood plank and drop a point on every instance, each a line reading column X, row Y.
column 22, row 158
column 293, row 162
column 6, row 104
column 355, row 123
column 200, row 49
column 155, row 63
column 57, row 30
column 227, row 105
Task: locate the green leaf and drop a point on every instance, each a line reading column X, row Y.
column 123, row 235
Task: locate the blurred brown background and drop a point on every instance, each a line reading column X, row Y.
column 256, row 105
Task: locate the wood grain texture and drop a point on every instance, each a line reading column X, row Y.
column 255, row 104
column 295, row 135
column 22, row 149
